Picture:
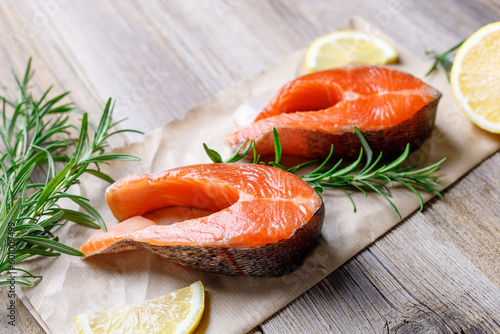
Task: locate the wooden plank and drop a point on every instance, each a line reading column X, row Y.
column 52, row 60
column 23, row 322
column 468, row 216
column 411, row 280
column 172, row 57
column 34, row 40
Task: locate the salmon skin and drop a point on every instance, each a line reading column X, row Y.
column 391, row 108
column 261, row 221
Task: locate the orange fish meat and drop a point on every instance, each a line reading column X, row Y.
column 312, row 112
column 255, row 220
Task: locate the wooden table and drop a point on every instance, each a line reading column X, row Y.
column 437, row 271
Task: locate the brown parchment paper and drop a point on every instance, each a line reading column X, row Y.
column 73, row 286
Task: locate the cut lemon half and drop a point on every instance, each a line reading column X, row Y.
column 177, row 312
column 475, row 77
column 346, row 47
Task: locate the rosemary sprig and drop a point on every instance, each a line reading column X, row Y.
column 367, row 176
column 36, row 144
column 443, row 59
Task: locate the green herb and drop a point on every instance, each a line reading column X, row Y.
column 367, row 176
column 36, row 144
column 443, row 59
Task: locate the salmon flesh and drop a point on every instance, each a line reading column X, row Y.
column 391, row 108
column 249, row 219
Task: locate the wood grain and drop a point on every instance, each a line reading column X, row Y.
column 413, row 280
column 23, row 321
column 436, row 272
column 468, row 215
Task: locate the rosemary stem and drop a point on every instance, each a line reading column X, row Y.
column 359, row 176
column 29, row 140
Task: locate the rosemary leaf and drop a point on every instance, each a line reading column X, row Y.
column 100, row 175
column 18, row 280
column 33, row 227
column 111, row 157
column 38, row 251
column 213, row 155
column 237, row 156
column 52, row 244
column 75, row 216
column 277, row 147
column 83, row 203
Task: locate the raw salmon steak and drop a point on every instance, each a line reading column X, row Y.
column 312, row 112
column 255, row 220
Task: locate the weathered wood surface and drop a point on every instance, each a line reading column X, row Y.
column 413, row 280
column 438, row 271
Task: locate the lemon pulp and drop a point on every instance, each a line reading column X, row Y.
column 177, row 312
column 475, row 77
column 346, row 47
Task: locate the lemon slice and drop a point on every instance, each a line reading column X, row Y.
column 177, row 312
column 475, row 77
column 346, row 47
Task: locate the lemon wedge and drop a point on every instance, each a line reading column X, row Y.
column 475, row 77
column 346, row 47
column 177, row 312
